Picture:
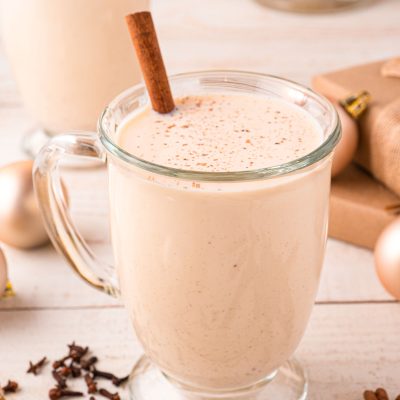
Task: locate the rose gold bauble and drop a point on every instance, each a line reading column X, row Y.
column 20, row 219
column 3, row 273
column 347, row 146
column 387, row 258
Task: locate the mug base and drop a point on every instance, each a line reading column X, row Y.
column 147, row 382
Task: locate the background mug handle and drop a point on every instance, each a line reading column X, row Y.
column 60, row 228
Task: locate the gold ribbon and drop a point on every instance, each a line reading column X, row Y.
column 356, row 104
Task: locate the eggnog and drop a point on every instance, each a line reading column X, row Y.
column 220, row 277
column 69, row 57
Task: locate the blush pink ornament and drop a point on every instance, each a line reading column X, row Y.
column 387, row 258
column 21, row 223
column 3, row 273
column 347, row 146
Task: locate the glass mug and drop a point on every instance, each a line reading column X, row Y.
column 218, row 270
column 78, row 57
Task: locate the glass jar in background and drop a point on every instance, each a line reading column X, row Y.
column 310, row 6
column 69, row 58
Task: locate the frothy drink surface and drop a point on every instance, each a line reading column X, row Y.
column 222, row 133
column 219, row 277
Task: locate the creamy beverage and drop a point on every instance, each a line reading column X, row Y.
column 69, row 57
column 218, row 215
column 219, row 277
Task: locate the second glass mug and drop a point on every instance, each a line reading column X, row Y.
column 218, row 270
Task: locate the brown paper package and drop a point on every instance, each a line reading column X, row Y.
column 379, row 147
column 359, row 203
column 359, row 207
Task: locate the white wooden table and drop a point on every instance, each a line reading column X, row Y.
column 352, row 341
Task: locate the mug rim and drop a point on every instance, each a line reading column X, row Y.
column 319, row 153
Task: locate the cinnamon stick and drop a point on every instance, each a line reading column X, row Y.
column 144, row 38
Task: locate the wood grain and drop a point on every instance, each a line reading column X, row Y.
column 344, row 352
column 242, row 34
column 352, row 341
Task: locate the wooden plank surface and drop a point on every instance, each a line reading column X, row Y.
column 352, row 340
column 346, row 349
column 242, row 34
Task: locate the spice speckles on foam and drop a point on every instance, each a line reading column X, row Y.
column 219, row 133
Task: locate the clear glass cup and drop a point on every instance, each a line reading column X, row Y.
column 218, row 271
column 70, row 58
column 312, row 6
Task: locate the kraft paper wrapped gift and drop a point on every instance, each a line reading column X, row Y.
column 360, row 207
column 379, row 147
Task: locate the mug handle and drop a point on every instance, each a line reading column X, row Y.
column 60, row 228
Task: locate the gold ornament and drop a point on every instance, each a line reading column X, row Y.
column 356, row 104
column 387, row 258
column 20, row 218
column 3, row 274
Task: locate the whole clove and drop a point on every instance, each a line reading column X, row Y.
column 75, row 370
column 11, row 387
column 57, row 393
column 370, row 395
column 381, row 394
column 60, row 363
column 36, row 368
column 88, row 363
column 74, row 346
column 111, row 377
column 119, row 381
column 79, row 361
column 378, row 394
column 103, row 374
column 112, row 396
column 65, row 371
column 76, row 352
column 90, row 383
column 61, row 381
